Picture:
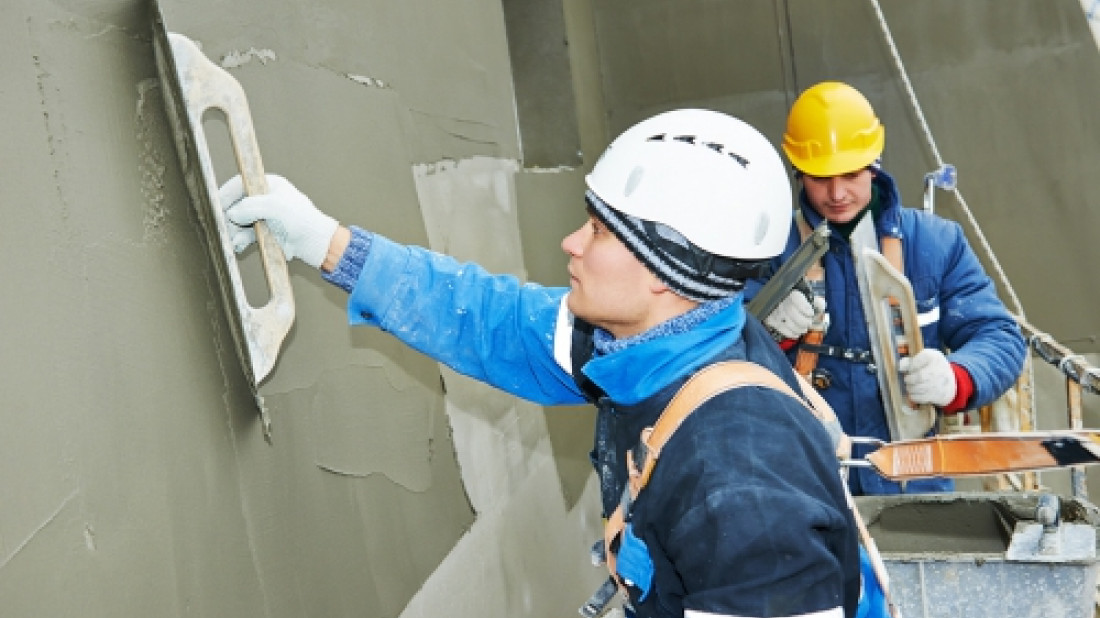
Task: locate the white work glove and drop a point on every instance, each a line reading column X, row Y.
column 793, row 317
column 301, row 230
column 929, row 378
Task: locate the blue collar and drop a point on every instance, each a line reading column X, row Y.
column 633, row 369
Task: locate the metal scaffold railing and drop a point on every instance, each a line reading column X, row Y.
column 1080, row 377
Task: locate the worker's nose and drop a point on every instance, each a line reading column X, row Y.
column 572, row 243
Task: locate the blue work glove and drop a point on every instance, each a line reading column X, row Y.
column 929, row 378
column 302, row 231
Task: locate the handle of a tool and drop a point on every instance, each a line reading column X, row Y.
column 877, row 564
column 805, row 361
column 791, row 273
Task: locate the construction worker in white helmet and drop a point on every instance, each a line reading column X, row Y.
column 973, row 350
column 745, row 514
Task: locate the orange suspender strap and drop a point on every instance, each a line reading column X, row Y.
column 891, row 250
column 702, row 387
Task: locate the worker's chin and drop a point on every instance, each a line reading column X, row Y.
column 841, row 216
column 576, row 305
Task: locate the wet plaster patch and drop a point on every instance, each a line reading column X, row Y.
column 370, row 82
column 393, row 440
column 459, row 138
column 525, row 556
column 236, row 59
column 84, row 228
column 153, row 162
column 939, row 527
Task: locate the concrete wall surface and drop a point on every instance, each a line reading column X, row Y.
column 134, row 473
column 137, row 478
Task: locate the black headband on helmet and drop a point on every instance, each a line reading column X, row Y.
column 691, row 271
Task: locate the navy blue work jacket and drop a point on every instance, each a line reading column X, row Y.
column 958, row 308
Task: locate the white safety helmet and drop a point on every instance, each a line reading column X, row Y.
column 711, row 177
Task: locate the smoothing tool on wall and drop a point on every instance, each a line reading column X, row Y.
column 192, row 85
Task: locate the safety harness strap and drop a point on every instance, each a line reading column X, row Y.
column 855, row 355
column 706, row 384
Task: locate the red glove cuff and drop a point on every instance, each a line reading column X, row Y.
column 787, row 344
column 964, row 389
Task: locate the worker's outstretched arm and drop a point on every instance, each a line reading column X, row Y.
column 490, row 327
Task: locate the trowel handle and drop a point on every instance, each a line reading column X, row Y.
column 251, row 168
column 877, row 563
column 896, row 291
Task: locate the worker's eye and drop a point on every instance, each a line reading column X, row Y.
column 598, row 227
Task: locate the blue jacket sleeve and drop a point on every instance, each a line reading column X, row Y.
column 975, row 326
column 489, row 327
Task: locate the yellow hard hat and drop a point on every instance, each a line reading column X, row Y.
column 832, row 130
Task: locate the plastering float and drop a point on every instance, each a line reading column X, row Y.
column 192, row 85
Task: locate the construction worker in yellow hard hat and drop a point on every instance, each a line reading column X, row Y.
column 835, row 142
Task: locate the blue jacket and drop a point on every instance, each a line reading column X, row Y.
column 959, row 310
column 731, row 523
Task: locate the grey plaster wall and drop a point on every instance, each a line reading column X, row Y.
column 135, row 477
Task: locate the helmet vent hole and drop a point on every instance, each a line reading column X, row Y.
column 633, row 180
column 761, row 228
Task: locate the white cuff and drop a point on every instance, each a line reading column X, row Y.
column 836, row 612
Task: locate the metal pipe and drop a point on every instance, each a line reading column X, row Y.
column 1071, row 364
